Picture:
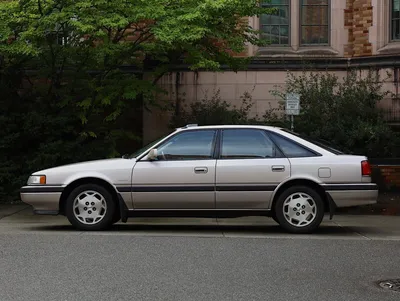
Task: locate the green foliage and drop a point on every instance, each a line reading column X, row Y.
column 343, row 111
column 212, row 111
column 80, row 46
column 38, row 134
column 65, row 95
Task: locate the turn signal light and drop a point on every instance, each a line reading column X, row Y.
column 37, row 180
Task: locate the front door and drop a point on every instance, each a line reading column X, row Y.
column 249, row 169
column 183, row 176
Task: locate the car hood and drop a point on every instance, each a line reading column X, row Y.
column 114, row 163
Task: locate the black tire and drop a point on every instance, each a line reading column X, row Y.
column 116, row 217
column 108, row 217
column 319, row 214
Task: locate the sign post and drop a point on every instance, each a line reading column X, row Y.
column 292, row 106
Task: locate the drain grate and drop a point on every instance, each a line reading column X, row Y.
column 392, row 285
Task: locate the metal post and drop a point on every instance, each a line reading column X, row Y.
column 292, row 122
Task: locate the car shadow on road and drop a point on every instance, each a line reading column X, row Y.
column 198, row 229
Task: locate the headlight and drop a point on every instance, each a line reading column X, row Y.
column 37, row 180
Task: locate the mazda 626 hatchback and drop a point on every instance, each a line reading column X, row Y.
column 208, row 171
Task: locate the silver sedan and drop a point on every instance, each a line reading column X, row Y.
column 208, row 171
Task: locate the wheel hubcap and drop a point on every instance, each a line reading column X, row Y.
column 299, row 209
column 90, row 207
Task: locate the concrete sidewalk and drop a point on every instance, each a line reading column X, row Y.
column 19, row 219
column 8, row 210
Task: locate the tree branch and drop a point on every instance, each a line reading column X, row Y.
column 139, row 40
column 40, row 7
column 120, row 33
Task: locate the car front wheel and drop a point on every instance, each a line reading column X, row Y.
column 90, row 207
column 299, row 209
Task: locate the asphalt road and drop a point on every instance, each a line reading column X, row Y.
column 50, row 261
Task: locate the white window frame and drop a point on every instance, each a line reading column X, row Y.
column 380, row 32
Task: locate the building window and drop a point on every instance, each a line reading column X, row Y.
column 395, row 20
column 314, row 22
column 275, row 26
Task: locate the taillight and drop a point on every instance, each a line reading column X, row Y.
column 365, row 168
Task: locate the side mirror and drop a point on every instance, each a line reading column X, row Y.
column 152, row 155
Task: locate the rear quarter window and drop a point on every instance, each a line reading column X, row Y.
column 290, row 148
column 322, row 144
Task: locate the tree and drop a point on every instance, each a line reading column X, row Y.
column 86, row 43
column 64, row 71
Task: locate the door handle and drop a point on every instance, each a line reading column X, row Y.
column 200, row 169
column 278, row 168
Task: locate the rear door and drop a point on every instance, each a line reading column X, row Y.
column 249, row 169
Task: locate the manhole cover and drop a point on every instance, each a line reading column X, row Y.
column 392, row 284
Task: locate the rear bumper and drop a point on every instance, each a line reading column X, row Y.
column 349, row 195
column 44, row 200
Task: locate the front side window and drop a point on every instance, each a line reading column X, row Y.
column 290, row 148
column 275, row 26
column 395, row 20
column 190, row 145
column 314, row 22
column 247, row 144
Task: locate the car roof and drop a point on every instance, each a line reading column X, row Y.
column 195, row 126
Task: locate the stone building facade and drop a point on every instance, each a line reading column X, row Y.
column 331, row 35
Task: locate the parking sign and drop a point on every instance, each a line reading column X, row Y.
column 292, row 104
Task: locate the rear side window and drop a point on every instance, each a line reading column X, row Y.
column 247, row 144
column 290, row 148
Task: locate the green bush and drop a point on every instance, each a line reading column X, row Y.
column 38, row 132
column 340, row 111
column 343, row 111
column 212, row 111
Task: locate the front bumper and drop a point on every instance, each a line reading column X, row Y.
column 349, row 195
column 43, row 199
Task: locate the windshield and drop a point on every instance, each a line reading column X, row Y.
column 150, row 145
column 319, row 142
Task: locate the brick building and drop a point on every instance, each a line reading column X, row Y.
column 332, row 35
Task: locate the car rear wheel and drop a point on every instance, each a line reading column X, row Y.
column 299, row 209
column 90, row 207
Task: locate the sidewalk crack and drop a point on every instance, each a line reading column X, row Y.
column 11, row 214
column 351, row 230
column 218, row 226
